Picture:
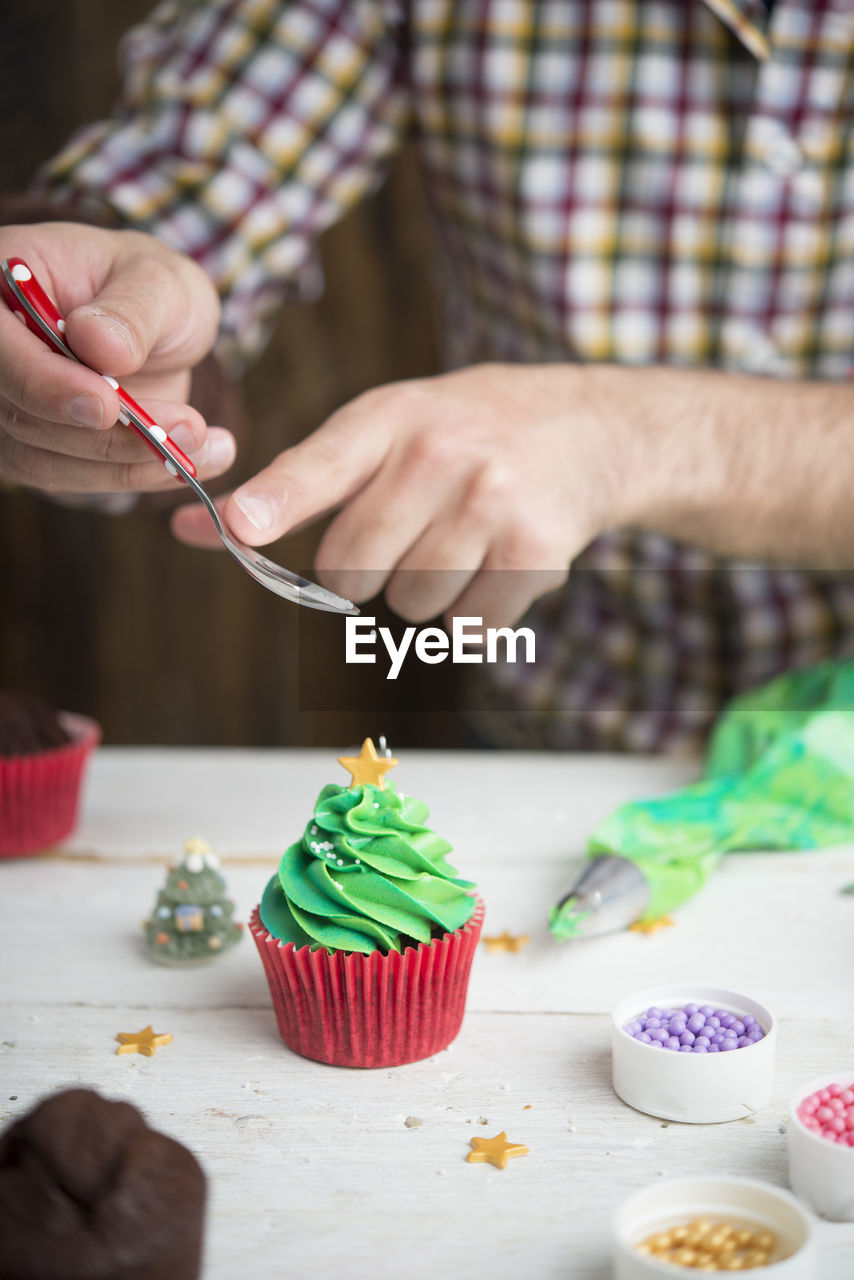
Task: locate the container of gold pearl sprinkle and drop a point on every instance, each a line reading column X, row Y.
column 712, row 1224
column 821, row 1145
column 694, row 1053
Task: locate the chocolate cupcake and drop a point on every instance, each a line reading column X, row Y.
column 89, row 1192
column 43, row 753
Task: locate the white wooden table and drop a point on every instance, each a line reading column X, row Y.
column 313, row 1170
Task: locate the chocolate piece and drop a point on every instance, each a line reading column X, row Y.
column 28, row 725
column 89, row 1192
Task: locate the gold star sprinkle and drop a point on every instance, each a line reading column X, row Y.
column 144, row 1042
column 506, row 942
column 651, row 926
column 367, row 768
column 495, row 1150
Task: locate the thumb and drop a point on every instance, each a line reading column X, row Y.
column 156, row 309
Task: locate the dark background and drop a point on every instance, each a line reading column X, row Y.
column 111, row 616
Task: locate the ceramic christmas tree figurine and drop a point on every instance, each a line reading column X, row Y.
column 192, row 918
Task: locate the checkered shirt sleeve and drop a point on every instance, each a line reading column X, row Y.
column 246, row 127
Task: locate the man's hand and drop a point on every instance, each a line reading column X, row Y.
column 134, row 309
column 494, row 468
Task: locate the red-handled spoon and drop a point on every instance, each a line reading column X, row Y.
column 28, row 301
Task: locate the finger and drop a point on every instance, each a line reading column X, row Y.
column 185, row 427
column 315, row 476
column 48, row 386
column 501, row 594
column 192, row 525
column 155, row 308
column 378, row 527
column 429, row 581
column 436, row 571
column 54, row 472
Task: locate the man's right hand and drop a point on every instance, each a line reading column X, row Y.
column 135, row 310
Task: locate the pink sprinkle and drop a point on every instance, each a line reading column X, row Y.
column 829, row 1114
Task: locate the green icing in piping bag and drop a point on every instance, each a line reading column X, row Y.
column 779, row 775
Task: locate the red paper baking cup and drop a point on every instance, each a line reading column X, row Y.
column 353, row 1010
column 39, row 793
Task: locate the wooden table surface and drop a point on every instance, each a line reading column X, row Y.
column 313, row 1170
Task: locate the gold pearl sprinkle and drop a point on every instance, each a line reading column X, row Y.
column 707, row 1246
column 660, row 1242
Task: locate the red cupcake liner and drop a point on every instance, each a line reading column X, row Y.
column 39, row 794
column 354, row 1010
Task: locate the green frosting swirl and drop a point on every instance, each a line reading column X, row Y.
column 368, row 875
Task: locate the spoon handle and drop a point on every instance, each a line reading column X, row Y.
column 35, row 308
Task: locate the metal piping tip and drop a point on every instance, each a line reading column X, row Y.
column 609, row 894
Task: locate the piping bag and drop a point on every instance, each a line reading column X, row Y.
column 779, row 775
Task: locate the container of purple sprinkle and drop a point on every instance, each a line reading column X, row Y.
column 693, row 1053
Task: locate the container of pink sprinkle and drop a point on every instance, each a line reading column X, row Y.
column 821, row 1145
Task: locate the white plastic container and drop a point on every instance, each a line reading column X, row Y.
column 821, row 1173
column 696, row 1088
column 740, row 1201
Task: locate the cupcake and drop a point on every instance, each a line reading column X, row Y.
column 366, row 933
column 88, row 1190
column 42, row 757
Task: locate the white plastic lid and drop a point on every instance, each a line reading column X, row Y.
column 740, row 1201
column 821, row 1173
column 696, row 1088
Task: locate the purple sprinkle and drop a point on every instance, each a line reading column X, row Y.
column 694, row 1030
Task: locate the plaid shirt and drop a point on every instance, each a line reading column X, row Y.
column 660, row 181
